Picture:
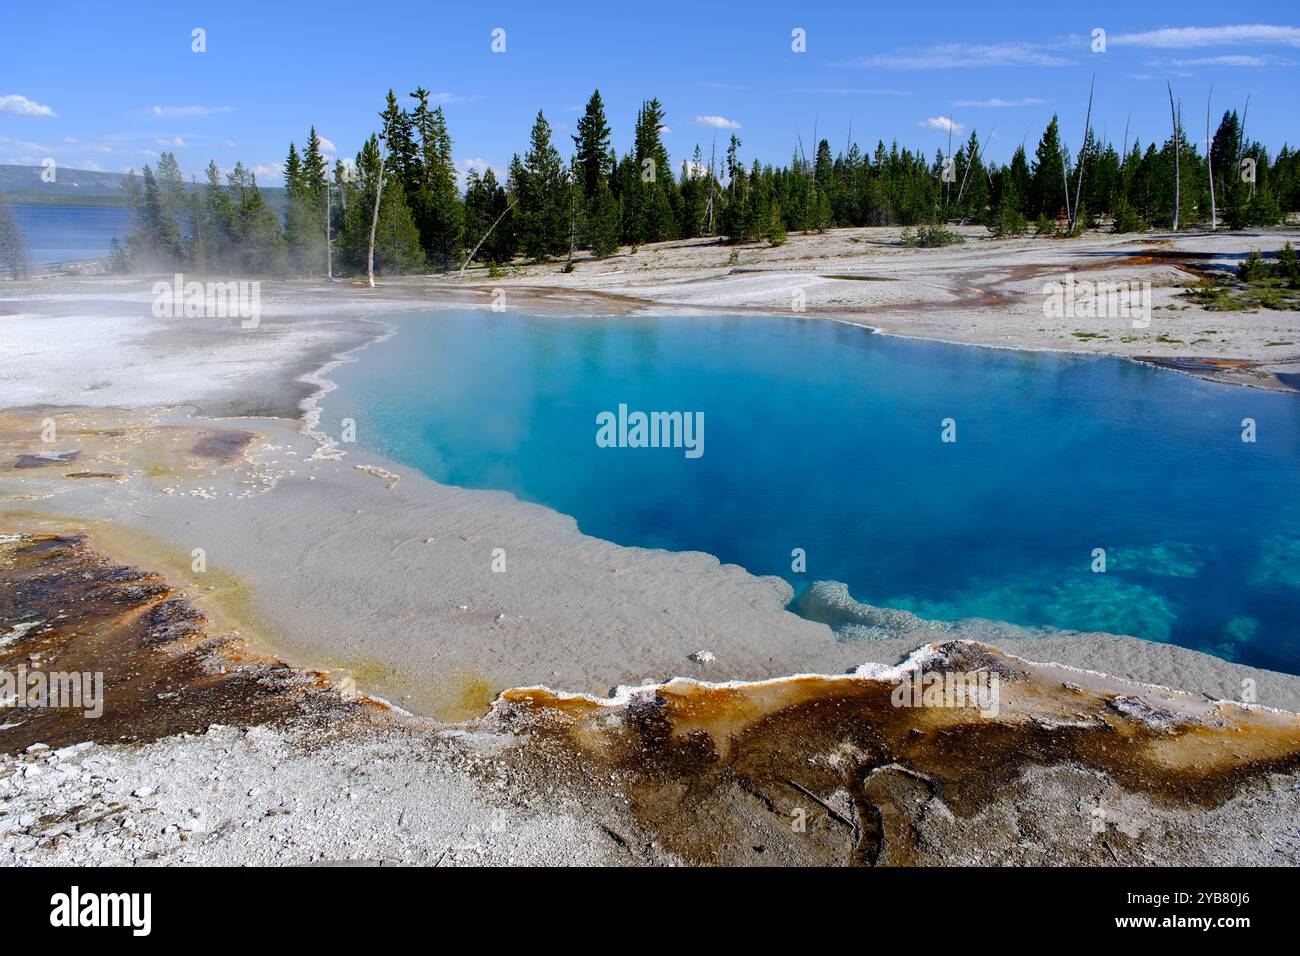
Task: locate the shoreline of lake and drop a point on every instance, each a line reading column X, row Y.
column 313, row 316
column 290, row 532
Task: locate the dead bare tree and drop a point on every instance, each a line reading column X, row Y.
column 374, row 222
column 1083, row 152
column 1241, row 142
column 1209, row 161
column 470, row 257
column 947, row 186
column 329, row 239
column 1178, row 191
column 1065, row 180
column 970, row 161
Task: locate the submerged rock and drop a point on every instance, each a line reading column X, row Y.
column 829, row 603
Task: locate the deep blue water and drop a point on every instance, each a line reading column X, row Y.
column 826, row 437
column 64, row 233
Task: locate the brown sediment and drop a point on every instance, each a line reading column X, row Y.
column 223, row 445
column 108, row 443
column 165, row 668
column 545, row 295
column 1231, row 371
column 838, row 748
column 46, row 460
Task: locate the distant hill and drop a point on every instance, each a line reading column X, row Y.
column 22, row 185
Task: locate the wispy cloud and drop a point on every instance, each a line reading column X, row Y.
column 996, row 103
column 478, row 163
column 852, row 91
column 185, row 112
column 269, row 171
column 1185, row 38
column 717, row 122
column 25, row 145
column 952, row 56
column 16, row 105
column 175, row 142
column 1238, row 59
column 943, row 123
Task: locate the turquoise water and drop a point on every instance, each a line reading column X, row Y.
column 826, row 437
column 66, row 233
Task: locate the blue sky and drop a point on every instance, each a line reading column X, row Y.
column 102, row 86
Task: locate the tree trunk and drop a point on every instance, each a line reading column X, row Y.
column 329, row 252
column 1209, row 162
column 470, row 257
column 374, row 223
column 1083, row 152
column 1178, row 190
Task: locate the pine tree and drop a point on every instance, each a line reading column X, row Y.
column 399, row 140
column 299, row 228
column 543, row 210
column 658, row 198
column 592, row 146
column 1047, row 189
column 13, row 244
column 604, row 221
column 775, row 233
column 397, row 239
column 158, row 239
column 219, row 216
column 258, row 242
column 434, row 199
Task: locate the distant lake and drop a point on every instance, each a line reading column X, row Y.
column 828, row 438
column 62, row 233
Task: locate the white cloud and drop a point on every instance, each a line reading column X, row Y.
column 717, row 122
column 17, row 105
column 1238, row 59
column 182, row 112
column 996, row 103
column 175, row 141
column 477, row 163
column 269, row 171
column 950, row 56
column 851, row 91
column 944, row 123
column 1183, row 38
column 327, row 146
column 25, row 145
